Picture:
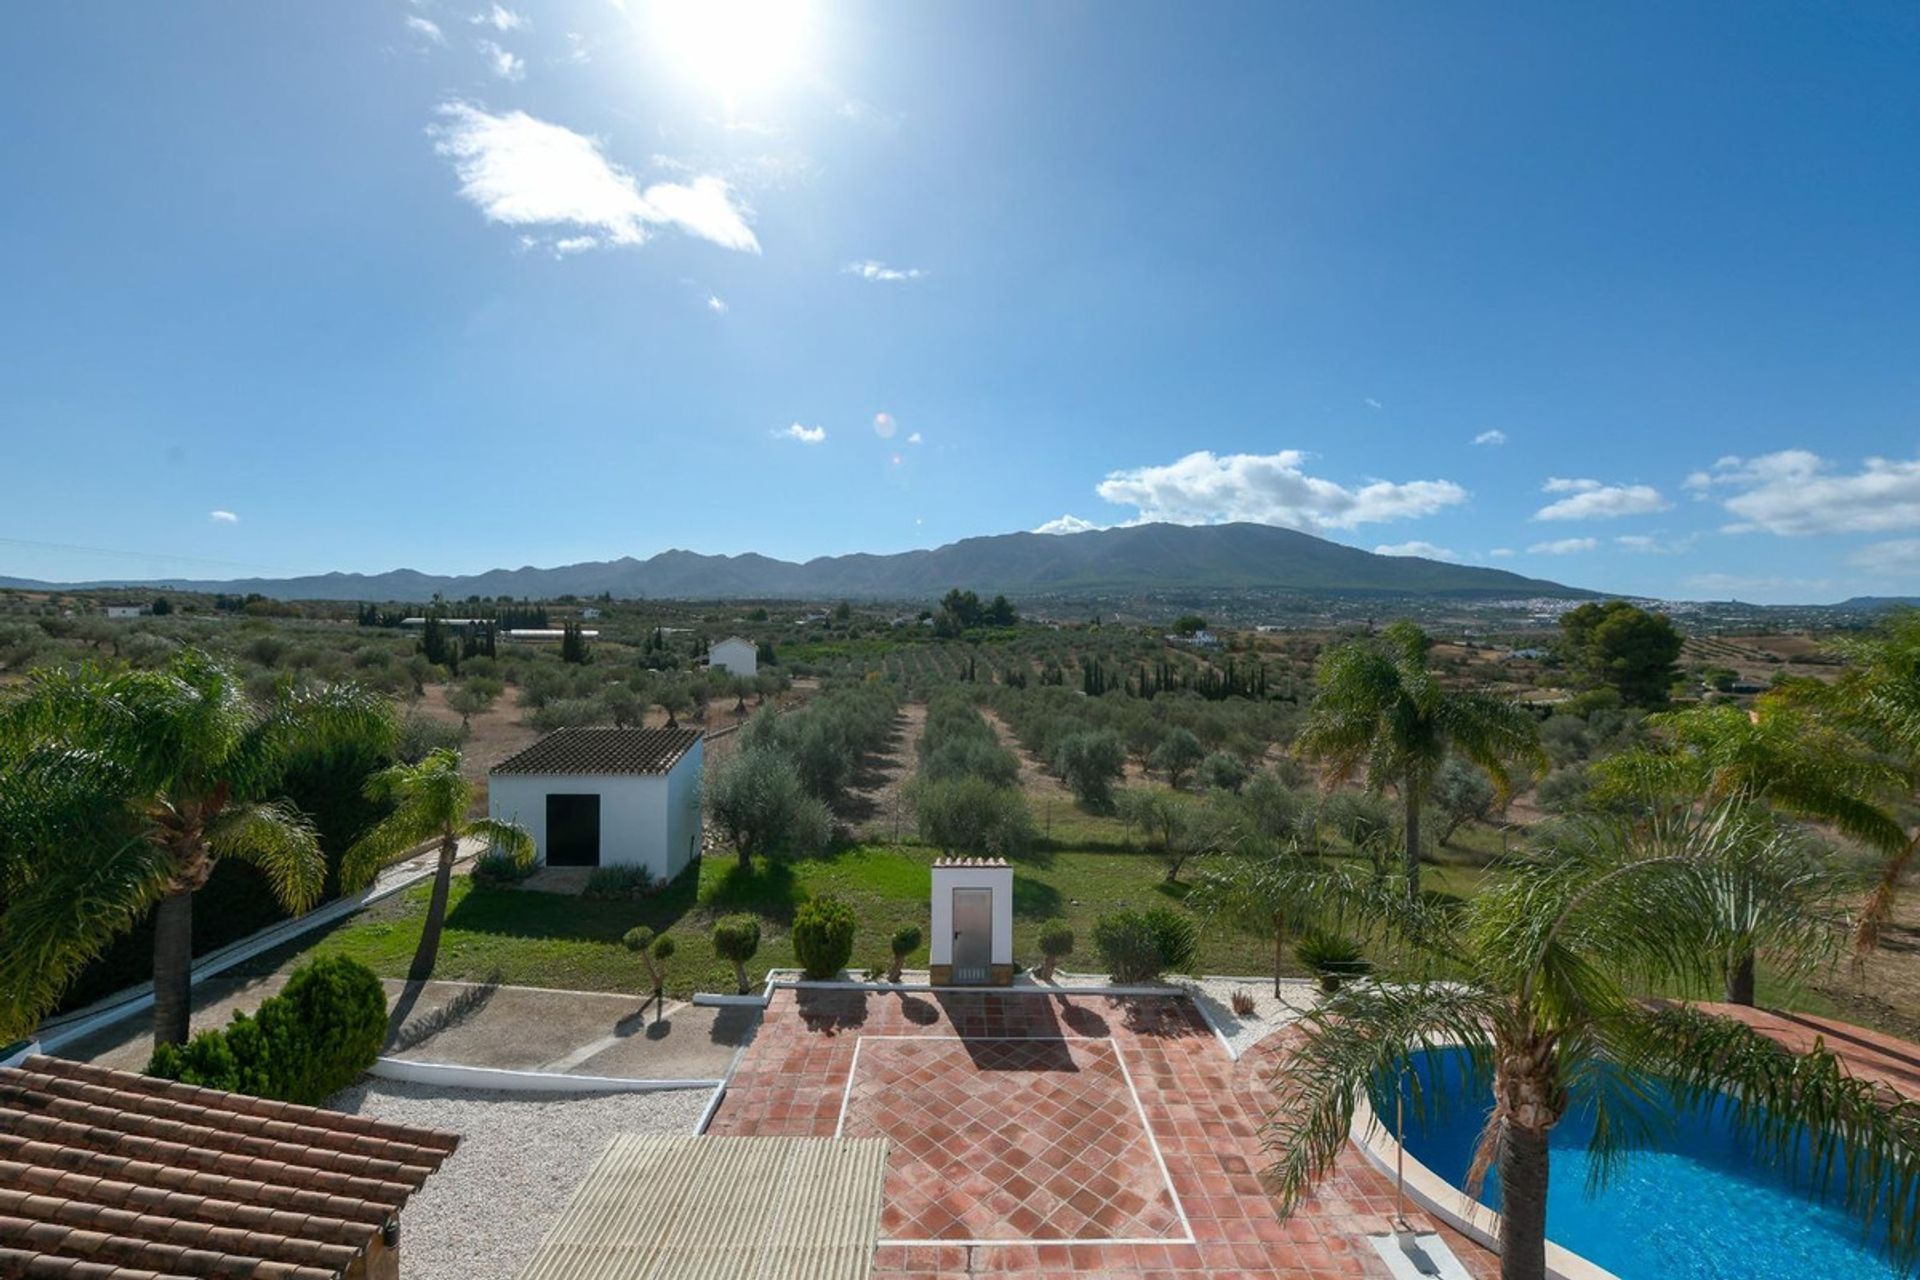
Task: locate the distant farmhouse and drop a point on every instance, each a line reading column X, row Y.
column 606, row 797
column 734, row 655
column 125, row 610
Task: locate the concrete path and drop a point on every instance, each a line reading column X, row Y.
column 520, row 1028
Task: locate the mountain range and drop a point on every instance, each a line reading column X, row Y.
column 1138, row 558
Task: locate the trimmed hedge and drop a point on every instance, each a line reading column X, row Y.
column 823, row 930
column 303, row 1045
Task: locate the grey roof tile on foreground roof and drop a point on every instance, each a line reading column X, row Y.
column 605, row 751
column 112, row 1174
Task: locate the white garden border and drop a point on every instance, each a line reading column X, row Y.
column 453, row 1075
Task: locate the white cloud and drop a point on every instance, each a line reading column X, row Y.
column 1495, row 436
column 501, row 18
column 508, row 66
column 223, row 517
column 1425, row 550
column 884, row 426
column 716, row 304
column 1900, row 557
column 1592, row 500
column 1371, row 402
column 914, row 438
column 1500, row 553
column 1203, row 488
column 522, row 171
column 426, row 27
column 880, row 273
column 1068, row 524
column 805, row 435
column 1794, row 492
column 1563, row 547
column 573, row 244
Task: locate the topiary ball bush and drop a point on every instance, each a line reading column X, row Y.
column 823, row 930
column 906, row 940
column 637, row 939
column 1056, row 940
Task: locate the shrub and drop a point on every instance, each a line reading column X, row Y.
column 1090, row 762
column 1138, row 946
column 823, row 930
column 1224, row 771
column 1332, row 957
column 493, row 870
column 905, row 941
column 1056, row 943
column 569, row 713
column 304, row 1045
column 760, row 805
column 1177, row 755
column 972, row 815
column 1242, row 1003
column 619, row 884
column 736, row 939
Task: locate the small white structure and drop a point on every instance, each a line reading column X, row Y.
column 606, row 797
column 740, row 657
column 125, row 610
column 972, row 942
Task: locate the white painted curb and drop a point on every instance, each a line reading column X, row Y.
column 454, row 1076
column 714, row 999
column 136, row 999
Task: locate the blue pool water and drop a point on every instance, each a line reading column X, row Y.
column 1694, row 1206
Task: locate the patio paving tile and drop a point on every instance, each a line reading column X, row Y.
column 1050, row 1149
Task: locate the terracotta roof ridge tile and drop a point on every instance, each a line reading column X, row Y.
column 101, row 1166
column 250, row 1124
column 294, row 1112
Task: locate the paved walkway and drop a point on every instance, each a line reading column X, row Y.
column 591, row 1033
column 1066, row 1135
column 1870, row 1055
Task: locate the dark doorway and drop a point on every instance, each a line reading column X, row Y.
column 573, row 831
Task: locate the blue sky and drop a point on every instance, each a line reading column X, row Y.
column 1627, row 296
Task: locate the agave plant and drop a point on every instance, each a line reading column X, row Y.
column 1537, row 978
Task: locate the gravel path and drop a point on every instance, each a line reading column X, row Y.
column 1270, row 1012
column 520, row 1157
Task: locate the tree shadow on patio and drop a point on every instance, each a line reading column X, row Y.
column 831, row 1012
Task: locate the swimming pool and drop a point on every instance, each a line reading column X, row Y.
column 1694, row 1206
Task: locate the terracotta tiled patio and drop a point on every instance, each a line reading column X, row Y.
column 1055, row 1135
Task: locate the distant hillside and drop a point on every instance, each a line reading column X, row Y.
column 1869, row 603
column 1144, row 558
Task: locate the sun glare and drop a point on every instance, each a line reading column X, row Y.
column 735, row 48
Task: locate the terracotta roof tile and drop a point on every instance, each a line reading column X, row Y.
column 108, row 1175
column 603, row 751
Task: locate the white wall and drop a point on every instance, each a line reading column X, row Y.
column 945, row 881
column 738, row 656
column 646, row 820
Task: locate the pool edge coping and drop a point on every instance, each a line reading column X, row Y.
column 1449, row 1203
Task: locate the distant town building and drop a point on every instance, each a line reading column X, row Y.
column 735, row 655
column 125, row 610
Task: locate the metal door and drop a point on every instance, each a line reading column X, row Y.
column 972, row 935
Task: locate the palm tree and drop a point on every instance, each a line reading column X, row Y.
column 1779, row 756
column 1267, row 895
column 125, row 789
column 430, row 802
column 1528, row 978
column 1878, row 697
column 1380, row 706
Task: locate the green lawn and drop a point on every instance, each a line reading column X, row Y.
column 555, row 940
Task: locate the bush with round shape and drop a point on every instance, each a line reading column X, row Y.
column 304, row 1045
column 823, row 930
column 905, row 941
column 1056, row 943
column 736, row 939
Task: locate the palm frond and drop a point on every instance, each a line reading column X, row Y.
column 279, row 840
column 429, row 802
column 330, row 717
column 1850, row 1137
column 509, row 838
column 1358, row 1040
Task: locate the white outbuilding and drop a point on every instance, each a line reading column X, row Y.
column 972, row 940
column 740, row 657
column 606, row 797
